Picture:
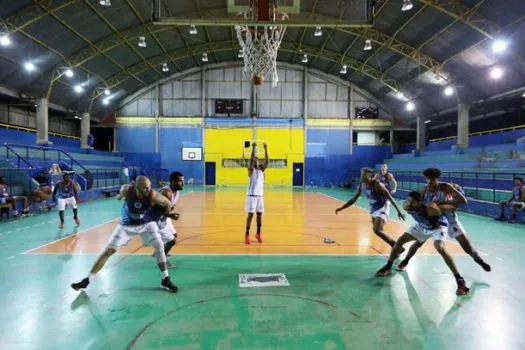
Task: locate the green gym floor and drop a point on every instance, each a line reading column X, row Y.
column 333, row 300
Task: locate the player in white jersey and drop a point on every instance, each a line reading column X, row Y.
column 166, row 229
column 254, row 197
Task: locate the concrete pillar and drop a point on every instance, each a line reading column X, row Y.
column 421, row 132
column 42, row 121
column 85, row 124
column 463, row 125
column 115, row 148
column 306, row 87
column 392, row 145
column 203, row 92
column 351, row 116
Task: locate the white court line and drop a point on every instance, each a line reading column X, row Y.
column 217, row 254
column 399, row 222
column 69, row 236
column 84, row 231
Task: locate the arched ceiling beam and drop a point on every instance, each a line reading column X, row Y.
column 121, row 77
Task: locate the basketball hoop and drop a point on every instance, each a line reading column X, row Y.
column 259, row 46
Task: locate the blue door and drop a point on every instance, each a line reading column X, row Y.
column 298, row 174
column 210, row 173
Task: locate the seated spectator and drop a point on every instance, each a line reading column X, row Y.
column 6, row 198
column 516, row 201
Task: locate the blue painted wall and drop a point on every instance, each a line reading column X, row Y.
column 29, row 137
column 136, row 139
column 172, row 140
column 327, row 141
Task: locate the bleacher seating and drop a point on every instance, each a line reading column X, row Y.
column 485, row 173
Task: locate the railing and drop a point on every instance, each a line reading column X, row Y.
column 487, row 186
column 19, row 177
column 486, row 132
column 18, row 156
column 10, row 146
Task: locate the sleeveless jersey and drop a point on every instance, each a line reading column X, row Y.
column 384, row 179
column 429, row 197
column 516, row 192
column 4, row 191
column 65, row 190
column 154, row 215
column 256, row 185
column 428, row 222
column 375, row 199
column 134, row 209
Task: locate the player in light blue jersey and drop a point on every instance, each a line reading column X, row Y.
column 138, row 199
column 378, row 199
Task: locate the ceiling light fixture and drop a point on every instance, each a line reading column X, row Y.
column 410, row 106
column 305, row 58
column 105, row 2
column 205, row 57
column 69, row 73
column 29, row 67
column 79, row 89
column 407, row 5
column 496, row 73
column 368, row 45
column 165, row 68
column 499, row 46
column 318, row 31
column 344, row 70
column 449, row 91
column 240, row 54
column 107, row 92
column 193, row 30
column 4, row 39
column 142, row 42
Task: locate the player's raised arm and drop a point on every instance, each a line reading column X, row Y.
column 266, row 161
column 251, row 165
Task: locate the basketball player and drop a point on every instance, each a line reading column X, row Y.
column 386, row 178
column 447, row 204
column 430, row 222
column 254, row 198
column 138, row 199
column 166, row 230
column 66, row 190
column 378, row 197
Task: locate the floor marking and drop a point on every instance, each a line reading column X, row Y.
column 69, row 236
column 11, row 257
column 399, row 222
column 224, row 254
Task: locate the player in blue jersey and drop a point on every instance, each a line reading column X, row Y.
column 387, row 179
column 430, row 222
column 378, row 199
column 138, row 199
column 448, row 205
column 65, row 194
column 516, row 201
column 166, row 229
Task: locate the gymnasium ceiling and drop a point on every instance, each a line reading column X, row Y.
column 418, row 52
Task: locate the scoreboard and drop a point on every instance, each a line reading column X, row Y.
column 229, row 107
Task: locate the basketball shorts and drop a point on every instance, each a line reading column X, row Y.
column 254, row 204
column 421, row 234
column 167, row 231
column 455, row 230
column 63, row 202
column 124, row 233
column 382, row 213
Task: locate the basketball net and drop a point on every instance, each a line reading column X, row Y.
column 259, row 46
